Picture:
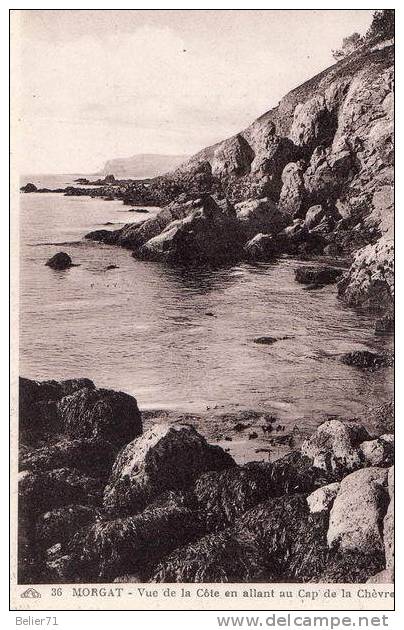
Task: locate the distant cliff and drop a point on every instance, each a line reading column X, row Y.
column 142, row 166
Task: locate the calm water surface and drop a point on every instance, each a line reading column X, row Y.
column 183, row 339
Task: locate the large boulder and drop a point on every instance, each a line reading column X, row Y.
column 334, row 446
column 313, row 216
column 208, row 235
column 356, row 518
column 37, row 405
column 164, row 458
column 378, row 452
column 29, row 188
column 100, row 414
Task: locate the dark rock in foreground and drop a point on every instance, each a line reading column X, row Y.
column 317, row 275
column 174, row 508
column 133, row 544
column 60, row 261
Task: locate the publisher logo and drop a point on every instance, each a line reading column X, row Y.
column 31, row 593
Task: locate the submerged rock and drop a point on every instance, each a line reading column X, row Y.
column 60, row 261
column 317, row 275
column 164, row 458
column 367, row 360
column 358, row 511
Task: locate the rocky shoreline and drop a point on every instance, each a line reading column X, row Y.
column 101, row 499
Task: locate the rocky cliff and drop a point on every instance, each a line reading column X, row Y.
column 323, row 159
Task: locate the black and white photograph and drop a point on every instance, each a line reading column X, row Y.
column 203, row 246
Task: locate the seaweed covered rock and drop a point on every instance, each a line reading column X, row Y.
column 132, row 545
column 350, row 567
column 91, row 456
column 41, row 492
column 100, row 413
column 37, row 406
column 60, row 524
column 293, row 541
column 278, row 540
column 334, row 446
column 357, row 514
column 224, row 495
column 164, row 458
column 295, row 474
column 227, row 556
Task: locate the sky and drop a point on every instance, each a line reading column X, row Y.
column 95, row 85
